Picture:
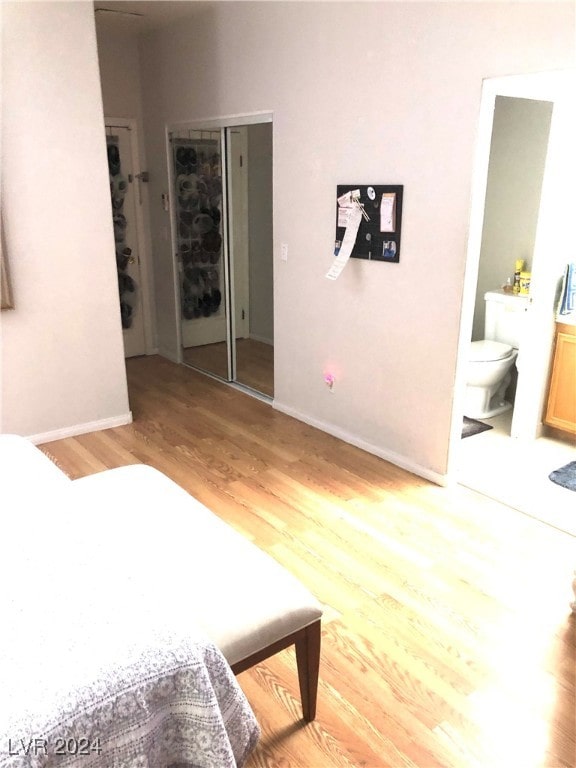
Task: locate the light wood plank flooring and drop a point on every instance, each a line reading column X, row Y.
column 448, row 640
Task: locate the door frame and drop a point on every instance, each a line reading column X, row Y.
column 544, row 86
column 142, row 217
column 209, row 124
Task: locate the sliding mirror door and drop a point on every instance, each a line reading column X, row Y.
column 250, row 236
column 222, row 225
column 199, row 233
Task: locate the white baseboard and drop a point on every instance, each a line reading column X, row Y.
column 81, row 429
column 394, row 458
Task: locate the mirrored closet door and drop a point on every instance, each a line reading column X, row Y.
column 198, row 227
column 250, row 221
column 222, row 227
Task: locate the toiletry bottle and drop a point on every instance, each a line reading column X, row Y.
column 518, row 267
column 525, row 278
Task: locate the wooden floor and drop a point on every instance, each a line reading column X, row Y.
column 447, row 640
column 254, row 362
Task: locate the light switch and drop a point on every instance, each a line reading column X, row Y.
column 284, row 252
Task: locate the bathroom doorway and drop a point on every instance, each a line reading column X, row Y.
column 221, row 177
column 511, row 460
column 517, row 158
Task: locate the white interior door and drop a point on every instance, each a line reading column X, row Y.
column 124, row 195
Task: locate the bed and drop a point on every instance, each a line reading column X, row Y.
column 127, row 608
column 101, row 662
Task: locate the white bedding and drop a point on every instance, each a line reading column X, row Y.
column 100, row 662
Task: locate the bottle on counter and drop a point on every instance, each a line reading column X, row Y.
column 507, row 287
column 518, row 267
column 525, row 283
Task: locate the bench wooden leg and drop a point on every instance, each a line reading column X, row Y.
column 307, row 642
column 308, row 660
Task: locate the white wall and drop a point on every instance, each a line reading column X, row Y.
column 62, row 355
column 517, row 157
column 119, row 64
column 361, row 92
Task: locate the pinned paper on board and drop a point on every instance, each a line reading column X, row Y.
column 388, row 212
column 352, row 215
column 375, row 234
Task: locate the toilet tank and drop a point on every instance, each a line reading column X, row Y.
column 504, row 320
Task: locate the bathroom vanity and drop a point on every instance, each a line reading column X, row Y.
column 561, row 407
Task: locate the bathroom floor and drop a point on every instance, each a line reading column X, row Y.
column 516, row 471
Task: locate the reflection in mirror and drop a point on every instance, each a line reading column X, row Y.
column 251, row 244
column 197, row 174
column 6, row 293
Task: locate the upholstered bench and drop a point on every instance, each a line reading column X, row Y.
column 249, row 605
column 246, row 602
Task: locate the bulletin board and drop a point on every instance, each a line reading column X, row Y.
column 378, row 237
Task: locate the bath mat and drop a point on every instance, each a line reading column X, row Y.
column 565, row 476
column 473, row 427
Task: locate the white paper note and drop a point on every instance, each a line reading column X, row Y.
column 344, row 216
column 388, row 212
column 354, row 218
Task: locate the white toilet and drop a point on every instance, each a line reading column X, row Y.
column 490, row 360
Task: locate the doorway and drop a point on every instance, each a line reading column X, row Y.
column 517, row 158
column 221, row 204
column 126, row 194
column 511, row 460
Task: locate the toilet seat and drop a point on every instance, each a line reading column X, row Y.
column 485, row 350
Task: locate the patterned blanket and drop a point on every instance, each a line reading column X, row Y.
column 100, row 663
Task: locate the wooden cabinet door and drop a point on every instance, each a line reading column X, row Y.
column 561, row 410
